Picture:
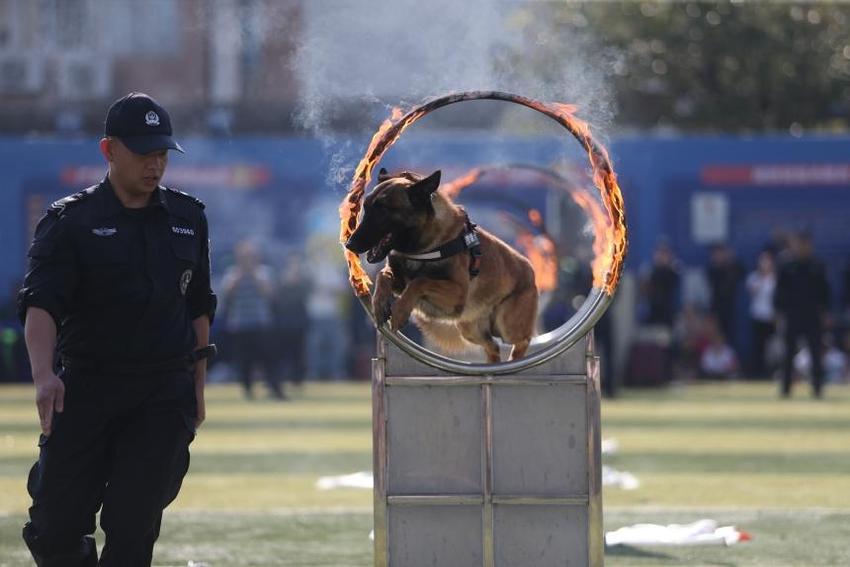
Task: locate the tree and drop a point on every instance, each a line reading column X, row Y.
column 716, row 66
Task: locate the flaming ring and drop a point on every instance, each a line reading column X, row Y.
column 544, row 347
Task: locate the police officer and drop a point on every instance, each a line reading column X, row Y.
column 117, row 308
column 802, row 299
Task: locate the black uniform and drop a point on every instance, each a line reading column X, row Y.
column 802, row 296
column 123, row 286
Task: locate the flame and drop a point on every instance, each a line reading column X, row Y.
column 349, row 209
column 602, row 246
column 610, row 242
column 611, row 234
column 543, row 255
column 540, row 251
column 453, row 188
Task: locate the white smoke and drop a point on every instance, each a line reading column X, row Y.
column 400, row 52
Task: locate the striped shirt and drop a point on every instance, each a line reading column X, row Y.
column 247, row 307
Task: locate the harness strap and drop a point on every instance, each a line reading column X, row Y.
column 466, row 240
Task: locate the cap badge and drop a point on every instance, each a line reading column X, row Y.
column 152, row 118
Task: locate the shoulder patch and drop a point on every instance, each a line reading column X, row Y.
column 60, row 206
column 183, row 195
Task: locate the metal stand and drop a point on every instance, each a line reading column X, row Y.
column 487, row 470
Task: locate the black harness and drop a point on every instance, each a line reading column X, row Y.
column 467, row 240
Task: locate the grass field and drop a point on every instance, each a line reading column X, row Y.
column 779, row 469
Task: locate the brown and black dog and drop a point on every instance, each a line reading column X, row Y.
column 464, row 284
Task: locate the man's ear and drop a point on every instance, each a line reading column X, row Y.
column 421, row 191
column 383, row 175
column 106, row 148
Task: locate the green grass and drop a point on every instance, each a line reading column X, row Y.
column 732, row 452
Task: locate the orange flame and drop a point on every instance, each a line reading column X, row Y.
column 601, row 231
column 453, row 188
column 611, row 234
column 610, row 242
column 540, row 251
column 350, row 206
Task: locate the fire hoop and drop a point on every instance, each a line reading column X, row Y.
column 607, row 266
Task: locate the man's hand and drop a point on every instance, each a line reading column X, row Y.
column 49, row 397
column 40, row 336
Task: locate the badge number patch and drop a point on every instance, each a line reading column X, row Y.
column 184, row 281
column 183, row 231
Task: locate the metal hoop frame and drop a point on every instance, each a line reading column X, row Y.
column 544, row 347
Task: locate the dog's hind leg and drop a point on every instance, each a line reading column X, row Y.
column 478, row 332
column 515, row 318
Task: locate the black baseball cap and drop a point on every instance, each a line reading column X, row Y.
column 141, row 124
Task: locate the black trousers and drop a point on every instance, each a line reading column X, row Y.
column 121, row 443
column 251, row 347
column 762, row 331
column 292, row 344
column 812, row 333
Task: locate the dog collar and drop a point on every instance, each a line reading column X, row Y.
column 466, row 240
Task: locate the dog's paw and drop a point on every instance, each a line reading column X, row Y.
column 381, row 307
column 400, row 315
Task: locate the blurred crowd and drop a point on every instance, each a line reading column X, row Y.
column 693, row 323
column 289, row 324
column 283, row 324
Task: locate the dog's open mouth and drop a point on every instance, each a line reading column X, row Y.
column 380, row 250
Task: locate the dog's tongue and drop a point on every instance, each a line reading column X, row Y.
column 378, row 252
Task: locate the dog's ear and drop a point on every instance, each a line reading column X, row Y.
column 383, row 175
column 421, row 191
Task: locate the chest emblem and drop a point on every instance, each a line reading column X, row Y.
column 105, row 231
column 184, row 281
column 183, row 231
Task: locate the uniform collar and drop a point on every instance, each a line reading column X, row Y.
column 111, row 205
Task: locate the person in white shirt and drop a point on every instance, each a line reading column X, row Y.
column 761, row 284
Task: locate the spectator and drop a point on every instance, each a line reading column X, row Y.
column 778, row 244
column 802, row 299
column 662, row 288
column 761, row 284
column 327, row 335
column 691, row 339
column 724, row 273
column 292, row 318
column 248, row 289
column 718, row 359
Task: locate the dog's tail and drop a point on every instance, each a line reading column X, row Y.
column 444, row 335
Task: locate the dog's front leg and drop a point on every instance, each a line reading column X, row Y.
column 448, row 295
column 382, row 298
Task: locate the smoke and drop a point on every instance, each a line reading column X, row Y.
column 372, row 55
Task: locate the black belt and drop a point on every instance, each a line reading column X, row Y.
column 171, row 365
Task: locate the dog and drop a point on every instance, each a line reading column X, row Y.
column 463, row 284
